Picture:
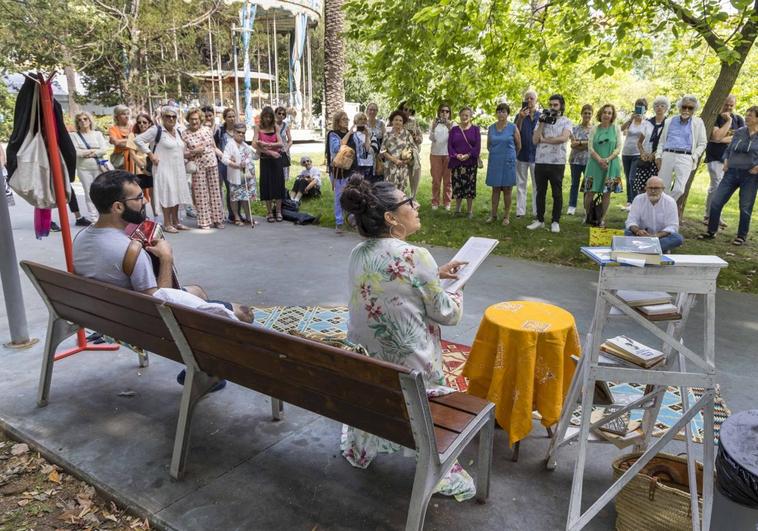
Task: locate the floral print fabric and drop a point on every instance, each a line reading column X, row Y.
column 402, row 146
column 396, row 307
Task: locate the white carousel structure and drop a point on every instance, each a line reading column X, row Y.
column 253, row 80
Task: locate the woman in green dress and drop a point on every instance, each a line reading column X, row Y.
column 603, row 173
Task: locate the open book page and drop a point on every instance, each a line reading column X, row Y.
column 474, row 251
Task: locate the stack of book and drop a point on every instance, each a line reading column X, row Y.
column 621, row 431
column 656, row 305
column 629, row 350
column 637, row 249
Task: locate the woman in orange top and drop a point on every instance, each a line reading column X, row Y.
column 118, row 135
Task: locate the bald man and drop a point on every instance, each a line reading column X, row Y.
column 727, row 122
column 655, row 214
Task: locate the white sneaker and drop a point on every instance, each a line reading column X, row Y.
column 534, row 225
column 434, row 207
column 571, row 211
column 447, row 207
column 554, row 227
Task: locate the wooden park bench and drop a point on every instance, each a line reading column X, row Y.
column 381, row 398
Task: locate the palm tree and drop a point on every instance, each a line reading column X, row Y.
column 334, row 58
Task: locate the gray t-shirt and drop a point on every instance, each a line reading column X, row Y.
column 99, row 254
column 553, row 153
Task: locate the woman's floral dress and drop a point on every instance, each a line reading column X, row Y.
column 402, row 146
column 396, row 307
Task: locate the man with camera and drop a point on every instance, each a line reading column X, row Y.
column 526, row 121
column 552, row 132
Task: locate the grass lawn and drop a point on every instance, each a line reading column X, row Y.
column 442, row 228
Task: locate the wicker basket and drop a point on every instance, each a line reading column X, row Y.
column 658, row 498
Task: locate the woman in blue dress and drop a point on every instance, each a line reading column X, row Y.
column 503, row 142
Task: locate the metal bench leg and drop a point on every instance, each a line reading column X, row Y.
column 144, row 360
column 277, row 407
column 486, row 436
column 426, row 478
column 57, row 331
column 196, row 385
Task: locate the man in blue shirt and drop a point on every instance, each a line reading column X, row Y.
column 526, row 121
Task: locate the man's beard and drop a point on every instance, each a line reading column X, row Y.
column 134, row 216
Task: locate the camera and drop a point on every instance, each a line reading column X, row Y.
column 549, row 116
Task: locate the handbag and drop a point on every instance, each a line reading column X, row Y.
column 102, row 164
column 378, row 166
column 32, row 179
column 190, row 167
column 344, row 158
column 595, row 211
column 284, row 160
column 118, row 160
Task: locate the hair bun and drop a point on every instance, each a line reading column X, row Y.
column 356, row 196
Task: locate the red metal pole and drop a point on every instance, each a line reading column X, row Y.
column 53, row 153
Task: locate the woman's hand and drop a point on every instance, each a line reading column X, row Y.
column 451, row 269
column 154, row 158
column 603, row 163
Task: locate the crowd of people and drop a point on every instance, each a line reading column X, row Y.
column 605, row 157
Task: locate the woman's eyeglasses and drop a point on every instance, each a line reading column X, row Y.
column 407, row 201
column 445, row 111
column 688, row 108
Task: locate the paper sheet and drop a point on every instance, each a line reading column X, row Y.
column 474, row 251
column 631, row 261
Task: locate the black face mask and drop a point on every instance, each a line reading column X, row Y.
column 134, row 216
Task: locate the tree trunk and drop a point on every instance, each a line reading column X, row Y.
column 70, row 73
column 334, row 59
column 721, row 89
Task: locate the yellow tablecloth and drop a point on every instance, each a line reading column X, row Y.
column 521, row 361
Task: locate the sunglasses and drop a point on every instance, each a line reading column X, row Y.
column 143, row 122
column 407, row 201
column 445, row 110
column 688, row 108
column 503, row 111
column 82, row 119
column 172, row 116
column 306, row 162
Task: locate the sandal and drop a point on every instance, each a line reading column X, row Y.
column 238, row 222
column 204, row 227
column 270, row 218
column 506, row 222
column 279, row 217
column 181, row 227
column 706, row 236
column 219, row 225
column 739, row 240
column 170, row 229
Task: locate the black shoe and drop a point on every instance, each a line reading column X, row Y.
column 54, row 227
column 218, row 387
column 83, row 222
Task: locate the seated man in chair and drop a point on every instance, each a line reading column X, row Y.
column 655, row 214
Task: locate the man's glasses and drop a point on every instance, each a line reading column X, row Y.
column 172, row 116
column 140, row 198
column 688, row 108
column 654, row 188
column 407, row 201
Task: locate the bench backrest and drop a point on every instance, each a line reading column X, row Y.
column 350, row 388
column 125, row 315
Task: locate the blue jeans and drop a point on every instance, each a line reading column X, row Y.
column 577, row 170
column 748, row 185
column 630, row 167
column 672, row 241
column 339, row 186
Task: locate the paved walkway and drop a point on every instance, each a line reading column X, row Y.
column 246, row 472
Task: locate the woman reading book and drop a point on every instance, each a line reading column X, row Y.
column 397, row 305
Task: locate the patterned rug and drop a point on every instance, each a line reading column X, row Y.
column 332, row 322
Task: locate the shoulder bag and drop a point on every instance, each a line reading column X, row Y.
column 32, row 179
column 102, row 164
column 479, row 163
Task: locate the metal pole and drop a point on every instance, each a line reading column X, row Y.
column 220, row 77
column 236, row 85
column 14, row 297
column 310, row 79
column 213, row 80
column 276, row 62
column 268, row 58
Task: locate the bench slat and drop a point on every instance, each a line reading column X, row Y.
column 236, row 337
column 159, row 345
column 464, row 402
column 286, row 371
column 94, row 288
column 449, row 418
column 112, row 309
column 394, row 429
column 444, row 438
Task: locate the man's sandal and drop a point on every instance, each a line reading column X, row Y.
column 739, row 240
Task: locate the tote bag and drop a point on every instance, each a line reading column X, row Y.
column 32, row 179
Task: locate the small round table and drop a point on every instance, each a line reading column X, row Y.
column 521, row 361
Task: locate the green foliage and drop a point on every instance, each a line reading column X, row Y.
column 7, row 106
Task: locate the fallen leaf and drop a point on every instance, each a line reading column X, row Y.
column 19, row 449
column 54, row 476
column 24, row 502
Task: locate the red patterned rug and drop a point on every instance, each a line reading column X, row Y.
column 454, row 356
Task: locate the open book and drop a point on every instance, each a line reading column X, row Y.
column 474, row 251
